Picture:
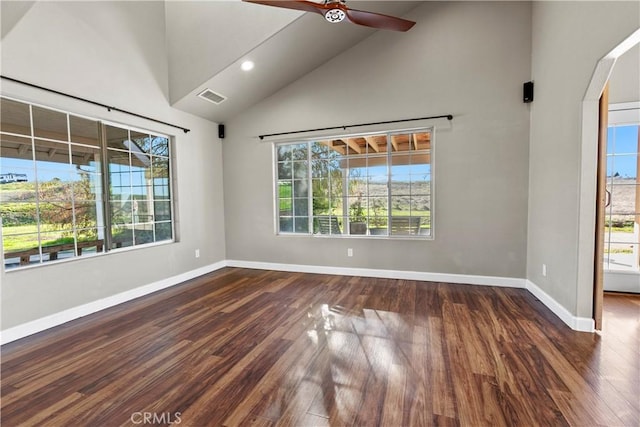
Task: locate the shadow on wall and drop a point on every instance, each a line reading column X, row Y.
column 11, row 16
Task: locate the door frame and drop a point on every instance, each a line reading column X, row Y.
column 587, row 193
column 624, row 114
column 601, row 202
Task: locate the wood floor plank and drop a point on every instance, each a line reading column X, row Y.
column 272, row 394
column 248, row 347
column 443, row 400
column 581, row 402
column 298, row 407
column 393, row 404
column 469, row 404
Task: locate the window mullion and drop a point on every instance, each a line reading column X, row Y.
column 345, row 195
column 276, row 188
column 310, row 192
column 35, row 170
column 389, row 163
column 74, row 226
column 106, row 203
column 132, row 201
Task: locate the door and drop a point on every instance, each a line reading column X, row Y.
column 602, row 200
column 622, row 210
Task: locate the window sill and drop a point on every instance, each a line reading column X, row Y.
column 359, row 236
column 85, row 257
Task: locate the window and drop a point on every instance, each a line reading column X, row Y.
column 362, row 185
column 72, row 186
column 622, row 213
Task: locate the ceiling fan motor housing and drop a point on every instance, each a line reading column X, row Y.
column 334, row 15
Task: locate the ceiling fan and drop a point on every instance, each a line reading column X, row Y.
column 336, row 11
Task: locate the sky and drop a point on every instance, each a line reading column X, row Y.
column 67, row 172
column 46, row 170
column 622, row 149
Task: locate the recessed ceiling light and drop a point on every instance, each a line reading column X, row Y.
column 247, row 65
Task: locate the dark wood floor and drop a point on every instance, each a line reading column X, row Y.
column 248, row 347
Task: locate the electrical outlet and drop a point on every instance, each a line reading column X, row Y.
column 544, row 270
column 197, row 253
column 349, row 251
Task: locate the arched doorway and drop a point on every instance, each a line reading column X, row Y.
column 591, row 254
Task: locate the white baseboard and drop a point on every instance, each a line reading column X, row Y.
column 509, row 282
column 65, row 316
column 582, row 324
column 576, row 323
column 39, row 325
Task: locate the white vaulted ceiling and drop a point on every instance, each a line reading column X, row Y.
column 207, row 41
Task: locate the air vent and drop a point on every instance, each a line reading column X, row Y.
column 211, row 96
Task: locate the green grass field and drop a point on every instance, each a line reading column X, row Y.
column 22, row 237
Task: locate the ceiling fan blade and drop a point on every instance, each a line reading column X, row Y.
column 378, row 20
column 360, row 17
column 305, row 6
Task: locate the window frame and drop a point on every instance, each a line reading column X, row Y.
column 107, row 183
column 104, row 181
column 388, row 155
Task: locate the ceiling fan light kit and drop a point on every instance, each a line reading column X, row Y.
column 335, row 11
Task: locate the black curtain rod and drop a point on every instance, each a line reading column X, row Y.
column 109, row 108
column 445, row 116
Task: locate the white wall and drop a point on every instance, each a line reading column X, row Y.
column 624, row 85
column 114, row 53
column 568, row 40
column 468, row 59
